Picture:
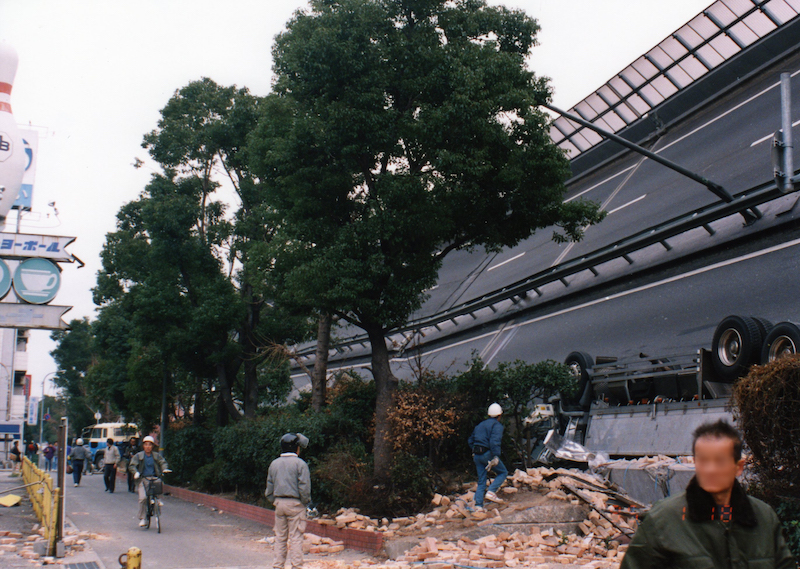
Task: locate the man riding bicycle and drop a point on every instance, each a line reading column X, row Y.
column 144, row 464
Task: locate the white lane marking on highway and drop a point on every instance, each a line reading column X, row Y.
column 726, row 113
column 620, row 173
column 627, row 204
column 501, row 263
column 769, row 136
column 676, row 278
column 699, row 128
column 603, row 206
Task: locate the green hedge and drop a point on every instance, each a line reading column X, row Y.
column 236, row 458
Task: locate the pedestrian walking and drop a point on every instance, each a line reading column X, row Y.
column 78, row 457
column 485, row 444
column 713, row 524
column 31, row 451
column 16, row 458
column 144, row 463
column 49, row 452
column 110, row 460
column 289, row 489
column 130, row 451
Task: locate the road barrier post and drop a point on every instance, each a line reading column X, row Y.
column 132, row 559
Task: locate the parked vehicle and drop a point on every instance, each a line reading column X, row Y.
column 95, row 437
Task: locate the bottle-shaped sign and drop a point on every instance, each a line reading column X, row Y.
column 12, row 148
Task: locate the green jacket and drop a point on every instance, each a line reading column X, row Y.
column 137, row 463
column 686, row 531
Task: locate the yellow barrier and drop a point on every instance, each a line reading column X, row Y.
column 44, row 498
column 132, row 559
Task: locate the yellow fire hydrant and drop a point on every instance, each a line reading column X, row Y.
column 132, row 559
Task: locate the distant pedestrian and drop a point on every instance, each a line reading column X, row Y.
column 130, row 451
column 16, row 458
column 110, row 460
column 713, row 524
column 49, row 452
column 289, row 488
column 78, row 456
column 31, row 451
column 485, row 444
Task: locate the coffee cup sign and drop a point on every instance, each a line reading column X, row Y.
column 5, row 279
column 37, row 281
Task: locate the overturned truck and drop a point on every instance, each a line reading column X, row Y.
column 651, row 405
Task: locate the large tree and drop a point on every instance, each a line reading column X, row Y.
column 399, row 131
column 187, row 275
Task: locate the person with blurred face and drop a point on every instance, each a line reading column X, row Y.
column 713, row 524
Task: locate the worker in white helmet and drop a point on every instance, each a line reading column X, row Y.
column 79, row 455
column 146, row 463
column 485, row 444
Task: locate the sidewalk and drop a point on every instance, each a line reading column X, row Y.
column 19, row 535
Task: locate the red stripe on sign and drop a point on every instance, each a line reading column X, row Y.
column 5, row 107
column 5, row 88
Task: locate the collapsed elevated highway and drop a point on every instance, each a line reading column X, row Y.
column 672, row 259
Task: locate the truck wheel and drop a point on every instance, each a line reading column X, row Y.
column 581, row 363
column 736, row 346
column 764, row 326
column 783, row 340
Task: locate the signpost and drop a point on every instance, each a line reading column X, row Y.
column 31, row 316
column 28, row 245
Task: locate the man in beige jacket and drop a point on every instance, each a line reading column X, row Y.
column 289, row 488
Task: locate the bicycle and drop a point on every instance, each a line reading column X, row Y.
column 153, row 489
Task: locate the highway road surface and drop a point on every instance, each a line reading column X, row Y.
column 666, row 302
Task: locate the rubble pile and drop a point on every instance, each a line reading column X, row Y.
column 574, row 486
column 518, row 550
column 34, row 546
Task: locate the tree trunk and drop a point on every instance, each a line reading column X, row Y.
column 225, row 390
column 250, row 387
column 385, row 385
column 250, row 353
column 319, row 377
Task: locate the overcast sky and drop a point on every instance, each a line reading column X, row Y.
column 94, row 74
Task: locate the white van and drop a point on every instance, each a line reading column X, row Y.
column 95, row 437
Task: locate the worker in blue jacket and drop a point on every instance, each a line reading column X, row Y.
column 485, row 444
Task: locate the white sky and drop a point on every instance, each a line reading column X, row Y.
column 93, row 75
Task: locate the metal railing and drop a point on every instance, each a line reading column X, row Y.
column 711, row 38
column 658, row 234
column 44, row 497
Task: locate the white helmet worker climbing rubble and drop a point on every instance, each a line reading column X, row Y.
column 485, row 444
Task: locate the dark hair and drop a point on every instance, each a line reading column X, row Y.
column 720, row 430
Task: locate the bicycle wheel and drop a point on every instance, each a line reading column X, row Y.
column 157, row 514
column 148, row 514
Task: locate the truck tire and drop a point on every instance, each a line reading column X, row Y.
column 581, row 364
column 98, row 460
column 764, row 326
column 736, row 346
column 783, row 339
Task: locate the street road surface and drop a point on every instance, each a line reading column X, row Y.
column 191, row 536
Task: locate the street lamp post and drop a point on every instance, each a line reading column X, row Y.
column 41, row 417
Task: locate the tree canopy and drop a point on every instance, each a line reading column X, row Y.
column 397, row 132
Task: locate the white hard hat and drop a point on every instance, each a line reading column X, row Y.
column 495, row 410
column 149, row 439
column 79, row 442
